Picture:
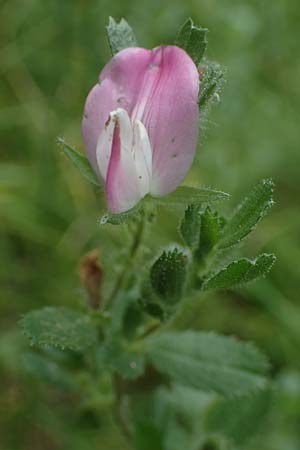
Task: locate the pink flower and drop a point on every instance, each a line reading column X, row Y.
column 140, row 124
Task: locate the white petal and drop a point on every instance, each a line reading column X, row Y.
column 142, row 156
column 104, row 144
column 124, row 158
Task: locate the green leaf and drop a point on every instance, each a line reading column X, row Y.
column 238, row 419
column 212, row 80
column 254, row 207
column 154, row 309
column 185, row 195
column 168, row 275
column 190, row 225
column 120, row 35
column 210, row 231
column 119, row 357
column 208, row 362
column 49, row 371
column 122, row 218
column 193, row 40
column 59, row 327
column 240, row 272
column 79, row 161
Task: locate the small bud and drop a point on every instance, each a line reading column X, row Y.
column 91, row 274
column 168, row 275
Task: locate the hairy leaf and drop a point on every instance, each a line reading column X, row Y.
column 238, row 419
column 59, row 327
column 210, row 230
column 120, row 35
column 185, row 195
column 212, row 79
column 168, row 275
column 79, row 161
column 208, row 362
column 240, row 272
column 193, row 40
column 248, row 214
column 118, row 357
column 190, row 225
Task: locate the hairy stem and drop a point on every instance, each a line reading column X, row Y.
column 137, row 239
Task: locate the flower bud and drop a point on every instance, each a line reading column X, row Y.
column 91, row 274
column 140, row 124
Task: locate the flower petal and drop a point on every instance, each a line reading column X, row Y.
column 142, row 156
column 104, row 146
column 123, row 184
column 118, row 86
column 98, row 106
column 171, row 118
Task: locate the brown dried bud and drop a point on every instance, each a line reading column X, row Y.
column 91, row 274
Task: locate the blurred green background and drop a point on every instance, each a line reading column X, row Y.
column 51, row 54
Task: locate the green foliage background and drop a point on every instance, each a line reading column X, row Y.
column 51, row 53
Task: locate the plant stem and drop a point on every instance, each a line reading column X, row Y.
column 137, row 239
column 118, row 407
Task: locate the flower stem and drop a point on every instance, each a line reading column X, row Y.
column 137, row 239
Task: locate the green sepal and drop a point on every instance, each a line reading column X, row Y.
column 121, row 218
column 80, row 162
column 193, row 40
column 190, row 225
column 210, row 232
column 211, row 82
column 120, row 35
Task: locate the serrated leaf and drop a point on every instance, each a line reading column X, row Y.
column 80, row 162
column 238, row 419
column 240, row 272
column 59, row 327
column 190, row 225
column 193, row 40
column 168, row 275
column 120, row 35
column 118, row 357
column 121, row 218
column 253, row 208
column 210, row 231
column 48, row 371
column 185, row 195
column 208, row 362
column 212, row 79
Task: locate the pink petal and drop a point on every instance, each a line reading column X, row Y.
column 128, row 176
column 171, row 118
column 116, row 88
